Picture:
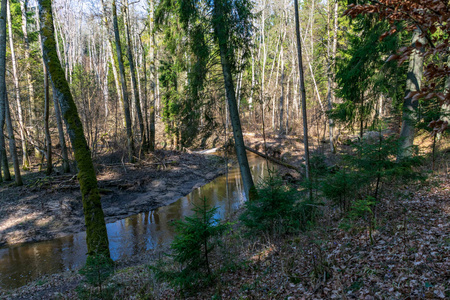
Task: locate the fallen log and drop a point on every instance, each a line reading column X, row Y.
column 279, row 162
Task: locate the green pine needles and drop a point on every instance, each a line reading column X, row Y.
column 191, row 249
column 371, row 164
column 279, row 208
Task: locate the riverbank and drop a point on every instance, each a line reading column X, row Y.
column 408, row 258
column 48, row 207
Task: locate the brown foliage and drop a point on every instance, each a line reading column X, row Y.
column 432, row 18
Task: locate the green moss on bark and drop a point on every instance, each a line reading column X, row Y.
column 96, row 235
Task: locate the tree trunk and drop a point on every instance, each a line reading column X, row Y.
column 137, row 101
column 24, row 9
column 282, row 97
column 330, row 79
column 62, row 139
column 413, row 83
column 244, row 167
column 3, row 158
column 12, row 143
column 302, row 93
column 123, row 82
column 153, row 81
column 48, row 138
column 96, row 234
column 22, row 129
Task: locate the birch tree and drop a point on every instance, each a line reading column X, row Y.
column 22, row 129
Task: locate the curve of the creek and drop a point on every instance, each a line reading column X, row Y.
column 127, row 237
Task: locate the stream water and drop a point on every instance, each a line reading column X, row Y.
column 131, row 236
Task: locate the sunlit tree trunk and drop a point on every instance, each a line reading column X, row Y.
column 62, row 139
column 134, row 85
column 413, row 84
column 282, row 98
column 123, row 83
column 153, row 81
column 22, row 129
column 48, row 139
column 330, row 78
column 96, row 235
column 302, row 92
column 12, row 143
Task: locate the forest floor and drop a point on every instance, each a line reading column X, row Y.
column 409, row 258
column 47, row 207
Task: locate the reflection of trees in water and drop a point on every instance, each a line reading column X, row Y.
column 19, row 265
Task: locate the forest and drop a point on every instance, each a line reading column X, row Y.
column 225, row 149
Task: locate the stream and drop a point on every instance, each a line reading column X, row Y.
column 127, row 237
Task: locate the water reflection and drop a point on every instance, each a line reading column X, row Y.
column 127, row 237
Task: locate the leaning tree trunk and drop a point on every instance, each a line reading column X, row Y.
column 137, row 101
column 244, row 167
column 22, row 130
column 96, row 234
column 123, row 82
column 302, row 92
column 62, row 139
column 413, row 83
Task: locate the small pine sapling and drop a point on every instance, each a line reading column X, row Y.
column 361, row 210
column 279, row 208
column 97, row 270
column 191, row 248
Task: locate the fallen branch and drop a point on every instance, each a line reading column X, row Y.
column 279, row 162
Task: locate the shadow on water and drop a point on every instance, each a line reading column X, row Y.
column 127, row 237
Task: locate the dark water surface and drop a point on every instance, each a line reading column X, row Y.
column 133, row 235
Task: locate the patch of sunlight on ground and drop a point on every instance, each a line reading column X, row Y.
column 15, row 220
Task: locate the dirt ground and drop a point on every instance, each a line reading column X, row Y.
column 47, row 207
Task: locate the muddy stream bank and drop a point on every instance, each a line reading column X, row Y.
column 148, row 227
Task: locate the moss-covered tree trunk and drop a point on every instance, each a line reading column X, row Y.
column 222, row 38
column 96, row 235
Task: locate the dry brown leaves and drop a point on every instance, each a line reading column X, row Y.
column 409, row 259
